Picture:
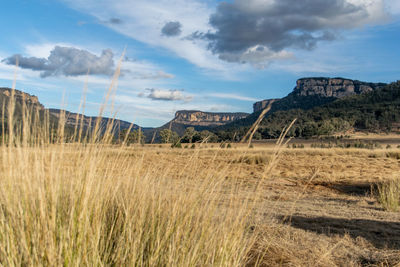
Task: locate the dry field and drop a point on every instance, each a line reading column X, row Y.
column 315, row 207
column 94, row 203
column 112, row 205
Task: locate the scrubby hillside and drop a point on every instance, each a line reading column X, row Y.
column 374, row 111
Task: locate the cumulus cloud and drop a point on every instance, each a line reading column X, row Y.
column 245, row 31
column 166, row 95
column 66, row 61
column 260, row 30
column 144, row 20
column 172, row 28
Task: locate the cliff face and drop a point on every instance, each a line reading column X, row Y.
column 199, row 118
column 333, row 87
column 260, row 105
column 30, row 100
column 327, row 88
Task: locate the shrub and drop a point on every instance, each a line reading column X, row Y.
column 229, row 146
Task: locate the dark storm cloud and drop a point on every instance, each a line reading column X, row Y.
column 172, row 28
column 277, row 25
column 67, row 61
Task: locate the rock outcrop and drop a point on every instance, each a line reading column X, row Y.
column 322, row 90
column 260, row 105
column 200, row 118
column 30, row 100
column 333, row 87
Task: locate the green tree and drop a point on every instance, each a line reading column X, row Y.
column 134, row 137
column 168, row 136
column 208, row 137
column 190, row 132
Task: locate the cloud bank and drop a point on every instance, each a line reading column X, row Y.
column 259, row 30
column 66, row 61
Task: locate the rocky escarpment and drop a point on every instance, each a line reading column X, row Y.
column 260, row 105
column 333, row 87
column 200, row 118
column 310, row 92
column 19, row 96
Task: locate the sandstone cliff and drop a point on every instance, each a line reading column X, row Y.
column 333, row 87
column 322, row 90
column 30, row 100
column 200, row 118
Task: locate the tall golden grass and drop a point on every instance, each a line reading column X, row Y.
column 84, row 201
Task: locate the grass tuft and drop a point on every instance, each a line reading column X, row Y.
column 389, row 194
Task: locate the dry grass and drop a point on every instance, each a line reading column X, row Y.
column 92, row 203
column 389, row 194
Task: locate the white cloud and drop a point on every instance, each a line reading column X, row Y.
column 143, row 21
column 136, row 74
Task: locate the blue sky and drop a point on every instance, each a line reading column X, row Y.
column 191, row 54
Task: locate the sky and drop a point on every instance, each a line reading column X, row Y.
column 209, row 55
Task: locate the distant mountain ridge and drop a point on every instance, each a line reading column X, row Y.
column 325, row 106
column 32, row 102
column 90, row 121
column 308, row 94
column 320, row 90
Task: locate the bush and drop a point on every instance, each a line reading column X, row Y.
column 229, row 146
column 193, row 146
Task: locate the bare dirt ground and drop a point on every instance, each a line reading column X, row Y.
column 321, row 202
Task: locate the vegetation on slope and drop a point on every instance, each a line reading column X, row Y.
column 377, row 111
